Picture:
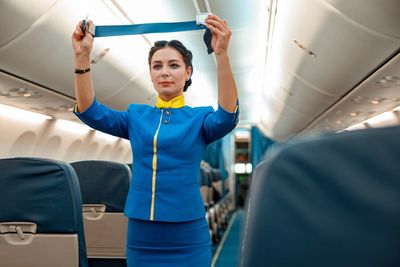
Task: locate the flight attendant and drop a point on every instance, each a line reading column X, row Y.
column 167, row 225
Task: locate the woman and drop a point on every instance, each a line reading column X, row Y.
column 167, row 225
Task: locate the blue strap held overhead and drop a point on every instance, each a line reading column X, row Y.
column 133, row 29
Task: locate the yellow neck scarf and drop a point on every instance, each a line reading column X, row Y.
column 176, row 102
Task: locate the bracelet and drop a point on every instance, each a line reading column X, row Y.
column 78, row 71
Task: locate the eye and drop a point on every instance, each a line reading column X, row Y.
column 174, row 66
column 157, row 66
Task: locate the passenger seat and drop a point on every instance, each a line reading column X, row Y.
column 333, row 200
column 104, row 187
column 40, row 214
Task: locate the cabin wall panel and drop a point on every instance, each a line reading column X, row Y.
column 27, row 138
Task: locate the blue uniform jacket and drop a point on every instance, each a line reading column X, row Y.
column 167, row 146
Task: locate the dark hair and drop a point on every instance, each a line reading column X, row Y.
column 186, row 54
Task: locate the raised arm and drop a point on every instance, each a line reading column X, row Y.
column 227, row 92
column 82, row 44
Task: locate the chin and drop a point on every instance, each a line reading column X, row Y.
column 169, row 92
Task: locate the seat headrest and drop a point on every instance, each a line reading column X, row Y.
column 327, row 201
column 215, row 175
column 204, row 178
column 40, row 190
column 45, row 192
column 103, row 182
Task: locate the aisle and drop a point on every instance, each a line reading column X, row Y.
column 228, row 251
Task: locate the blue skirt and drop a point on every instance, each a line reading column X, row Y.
column 152, row 243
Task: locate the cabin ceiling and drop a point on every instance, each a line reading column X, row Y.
column 300, row 66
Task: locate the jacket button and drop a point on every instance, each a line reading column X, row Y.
column 166, row 122
column 167, row 113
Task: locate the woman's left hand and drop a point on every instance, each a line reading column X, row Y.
column 220, row 34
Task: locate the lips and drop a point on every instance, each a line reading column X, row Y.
column 165, row 83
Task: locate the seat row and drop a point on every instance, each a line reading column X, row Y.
column 219, row 207
column 53, row 213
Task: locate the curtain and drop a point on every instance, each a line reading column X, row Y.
column 259, row 145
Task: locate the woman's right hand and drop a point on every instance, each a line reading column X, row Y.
column 82, row 43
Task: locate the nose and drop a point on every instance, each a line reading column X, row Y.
column 164, row 72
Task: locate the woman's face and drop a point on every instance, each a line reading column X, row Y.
column 168, row 73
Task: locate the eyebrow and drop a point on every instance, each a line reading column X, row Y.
column 172, row 60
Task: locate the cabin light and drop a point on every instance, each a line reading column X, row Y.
column 358, row 99
column 242, row 134
column 27, row 95
column 71, row 126
column 396, row 108
column 381, row 118
column 22, row 114
column 354, row 114
column 240, row 168
column 338, row 121
column 375, row 101
column 249, row 167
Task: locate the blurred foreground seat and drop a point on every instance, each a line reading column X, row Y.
column 329, row 201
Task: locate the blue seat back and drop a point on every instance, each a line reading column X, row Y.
column 45, row 192
column 105, row 184
column 328, row 201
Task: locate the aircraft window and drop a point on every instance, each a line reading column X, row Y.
column 24, row 145
column 73, row 151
